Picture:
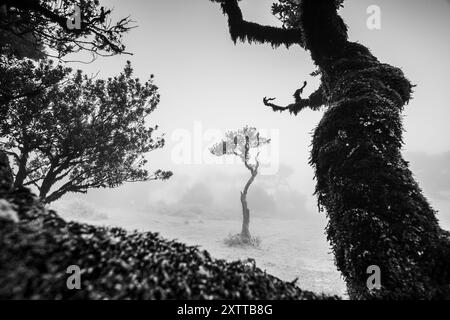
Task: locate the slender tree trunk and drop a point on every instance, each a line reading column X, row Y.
column 46, row 185
column 245, row 232
column 43, row 192
column 55, row 195
column 22, row 170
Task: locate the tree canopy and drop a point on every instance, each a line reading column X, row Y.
column 31, row 25
column 240, row 143
column 77, row 132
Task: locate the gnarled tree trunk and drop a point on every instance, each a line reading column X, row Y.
column 377, row 213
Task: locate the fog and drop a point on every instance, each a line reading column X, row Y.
column 208, row 85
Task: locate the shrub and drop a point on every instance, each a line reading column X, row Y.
column 236, row 240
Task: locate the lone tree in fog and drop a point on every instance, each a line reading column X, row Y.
column 75, row 133
column 245, row 144
column 377, row 212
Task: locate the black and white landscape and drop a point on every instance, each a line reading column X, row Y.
column 224, row 149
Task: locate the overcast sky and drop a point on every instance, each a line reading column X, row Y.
column 207, row 83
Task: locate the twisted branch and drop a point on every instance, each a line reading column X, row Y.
column 314, row 101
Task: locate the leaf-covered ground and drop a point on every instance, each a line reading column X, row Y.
column 37, row 247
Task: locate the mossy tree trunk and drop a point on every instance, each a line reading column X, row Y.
column 377, row 212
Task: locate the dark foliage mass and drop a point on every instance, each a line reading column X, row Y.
column 29, row 26
column 6, row 176
column 66, row 132
column 36, row 250
column 377, row 213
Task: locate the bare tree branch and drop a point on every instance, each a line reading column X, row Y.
column 314, row 101
column 43, row 23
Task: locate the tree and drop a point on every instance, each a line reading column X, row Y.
column 377, row 212
column 77, row 132
column 29, row 27
column 242, row 143
column 20, row 79
column 38, row 24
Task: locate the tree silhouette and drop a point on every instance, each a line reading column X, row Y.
column 242, row 143
column 43, row 24
column 29, row 27
column 377, row 212
column 77, row 133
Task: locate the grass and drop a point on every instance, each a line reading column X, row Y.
column 236, row 240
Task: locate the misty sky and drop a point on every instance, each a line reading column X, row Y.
column 207, row 82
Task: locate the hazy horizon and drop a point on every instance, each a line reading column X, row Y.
column 207, row 81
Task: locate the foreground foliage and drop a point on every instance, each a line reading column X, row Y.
column 38, row 246
column 29, row 27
